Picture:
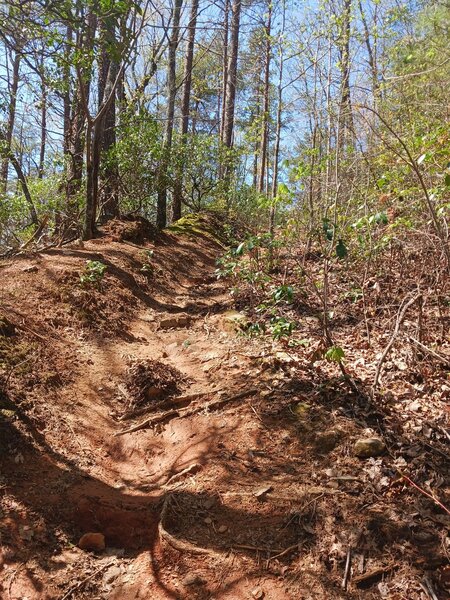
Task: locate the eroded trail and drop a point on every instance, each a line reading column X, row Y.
column 226, row 486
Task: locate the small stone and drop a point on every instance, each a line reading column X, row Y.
column 326, row 441
column 367, row 447
column 208, row 521
column 284, row 357
column 30, row 269
column 94, row 542
column 222, row 529
column 257, row 593
column 262, row 491
column 301, row 409
column 210, row 356
column 174, row 322
column 232, row 321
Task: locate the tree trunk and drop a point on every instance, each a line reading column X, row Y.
column 7, row 154
column 226, row 17
column 230, row 96
column 185, row 104
column 372, row 59
column 11, row 118
column 43, row 130
column 345, row 110
column 265, row 114
column 161, row 216
column 108, row 70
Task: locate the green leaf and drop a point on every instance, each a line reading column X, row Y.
column 447, row 179
column 240, row 249
column 341, row 250
column 335, row 354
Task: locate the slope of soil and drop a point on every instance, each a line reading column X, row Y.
column 216, row 466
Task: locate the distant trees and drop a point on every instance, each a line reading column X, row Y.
column 159, row 107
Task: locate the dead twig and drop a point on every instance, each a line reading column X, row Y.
column 13, row 576
column 374, row 574
column 154, row 420
column 284, row 552
column 80, row 584
column 443, row 359
column 400, row 317
column 425, row 493
column 348, row 564
column 427, row 587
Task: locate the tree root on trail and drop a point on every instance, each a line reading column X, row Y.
column 172, row 414
column 179, row 545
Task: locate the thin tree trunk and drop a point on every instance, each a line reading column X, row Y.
column 108, row 72
column 226, row 17
column 372, row 59
column 161, row 216
column 265, row 112
column 11, row 119
column 43, row 130
column 8, row 154
column 185, row 104
column 346, row 118
column 276, row 160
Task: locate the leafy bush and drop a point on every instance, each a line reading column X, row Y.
column 93, row 273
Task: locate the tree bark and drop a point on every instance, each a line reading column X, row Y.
column 11, row 119
column 230, row 96
column 161, row 211
column 226, row 18
column 43, row 140
column 108, row 71
column 265, row 111
column 345, row 111
column 185, row 104
column 7, row 154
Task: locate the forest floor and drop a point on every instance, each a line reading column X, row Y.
column 216, row 466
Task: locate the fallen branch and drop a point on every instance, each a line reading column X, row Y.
column 373, row 575
column 255, row 548
column 400, row 318
column 284, row 552
column 445, row 360
column 169, row 414
column 425, row 493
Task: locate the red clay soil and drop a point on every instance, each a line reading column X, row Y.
column 235, row 479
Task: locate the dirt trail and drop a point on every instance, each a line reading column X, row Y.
column 238, row 501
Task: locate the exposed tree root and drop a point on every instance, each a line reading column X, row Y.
column 171, row 414
column 179, row 545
